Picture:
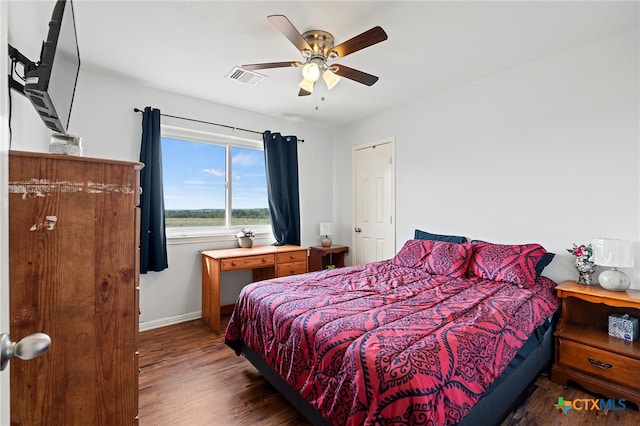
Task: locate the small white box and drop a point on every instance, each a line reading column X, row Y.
column 623, row 327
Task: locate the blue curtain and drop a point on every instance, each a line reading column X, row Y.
column 153, row 241
column 281, row 160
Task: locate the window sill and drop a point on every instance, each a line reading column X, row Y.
column 206, row 235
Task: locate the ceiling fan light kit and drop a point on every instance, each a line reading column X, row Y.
column 317, row 49
column 311, row 71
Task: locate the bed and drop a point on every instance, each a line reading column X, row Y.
column 443, row 333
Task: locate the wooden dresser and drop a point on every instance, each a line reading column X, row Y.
column 585, row 353
column 73, row 271
column 264, row 262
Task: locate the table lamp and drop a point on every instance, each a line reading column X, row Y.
column 614, row 254
column 325, row 230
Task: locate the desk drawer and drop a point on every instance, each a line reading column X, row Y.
column 292, row 256
column 606, row 365
column 247, row 262
column 291, row 268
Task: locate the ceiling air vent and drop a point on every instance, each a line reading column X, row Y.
column 244, row 76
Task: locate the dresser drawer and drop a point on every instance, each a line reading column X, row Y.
column 596, row 362
column 292, row 256
column 291, row 268
column 247, row 262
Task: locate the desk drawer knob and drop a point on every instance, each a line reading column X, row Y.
column 292, row 257
column 600, row 364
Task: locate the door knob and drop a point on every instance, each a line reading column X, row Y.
column 358, row 229
column 30, row 347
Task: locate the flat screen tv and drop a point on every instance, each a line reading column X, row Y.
column 51, row 84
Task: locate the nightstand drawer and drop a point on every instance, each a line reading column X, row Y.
column 292, row 256
column 247, row 262
column 606, row 365
column 291, row 268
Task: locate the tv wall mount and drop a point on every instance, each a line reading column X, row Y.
column 27, row 65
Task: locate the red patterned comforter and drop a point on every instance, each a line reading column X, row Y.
column 383, row 344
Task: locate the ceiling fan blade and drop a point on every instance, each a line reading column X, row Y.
column 355, row 75
column 285, row 26
column 359, row 42
column 303, row 92
column 252, row 67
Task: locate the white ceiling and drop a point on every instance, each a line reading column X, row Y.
column 189, row 47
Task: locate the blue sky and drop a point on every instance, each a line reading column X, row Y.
column 194, row 176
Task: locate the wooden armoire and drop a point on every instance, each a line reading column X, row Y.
column 73, row 274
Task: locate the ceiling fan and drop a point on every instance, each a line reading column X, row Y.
column 317, row 49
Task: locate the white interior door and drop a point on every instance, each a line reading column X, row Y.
column 4, row 209
column 374, row 233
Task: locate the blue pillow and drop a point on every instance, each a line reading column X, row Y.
column 542, row 263
column 421, row 235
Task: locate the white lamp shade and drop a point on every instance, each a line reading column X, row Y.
column 612, row 253
column 311, row 71
column 326, row 228
column 330, row 79
column 307, row 85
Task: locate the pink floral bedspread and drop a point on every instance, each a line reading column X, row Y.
column 380, row 344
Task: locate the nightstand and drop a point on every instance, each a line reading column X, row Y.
column 320, row 257
column 585, row 353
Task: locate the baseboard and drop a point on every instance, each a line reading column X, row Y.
column 227, row 309
column 163, row 322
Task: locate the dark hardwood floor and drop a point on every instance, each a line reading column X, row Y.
column 190, row 377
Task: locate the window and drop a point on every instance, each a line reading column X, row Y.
column 212, row 183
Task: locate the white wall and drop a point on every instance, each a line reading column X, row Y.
column 546, row 153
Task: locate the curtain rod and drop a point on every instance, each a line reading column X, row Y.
column 209, row 122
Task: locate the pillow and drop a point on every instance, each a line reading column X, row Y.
column 422, row 235
column 411, row 254
column 436, row 257
column 546, row 260
column 448, row 258
column 509, row 263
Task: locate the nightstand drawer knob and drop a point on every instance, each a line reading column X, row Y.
column 600, row 364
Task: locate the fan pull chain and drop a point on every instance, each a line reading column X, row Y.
column 321, row 100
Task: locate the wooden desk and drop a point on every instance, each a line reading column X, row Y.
column 320, row 257
column 264, row 262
